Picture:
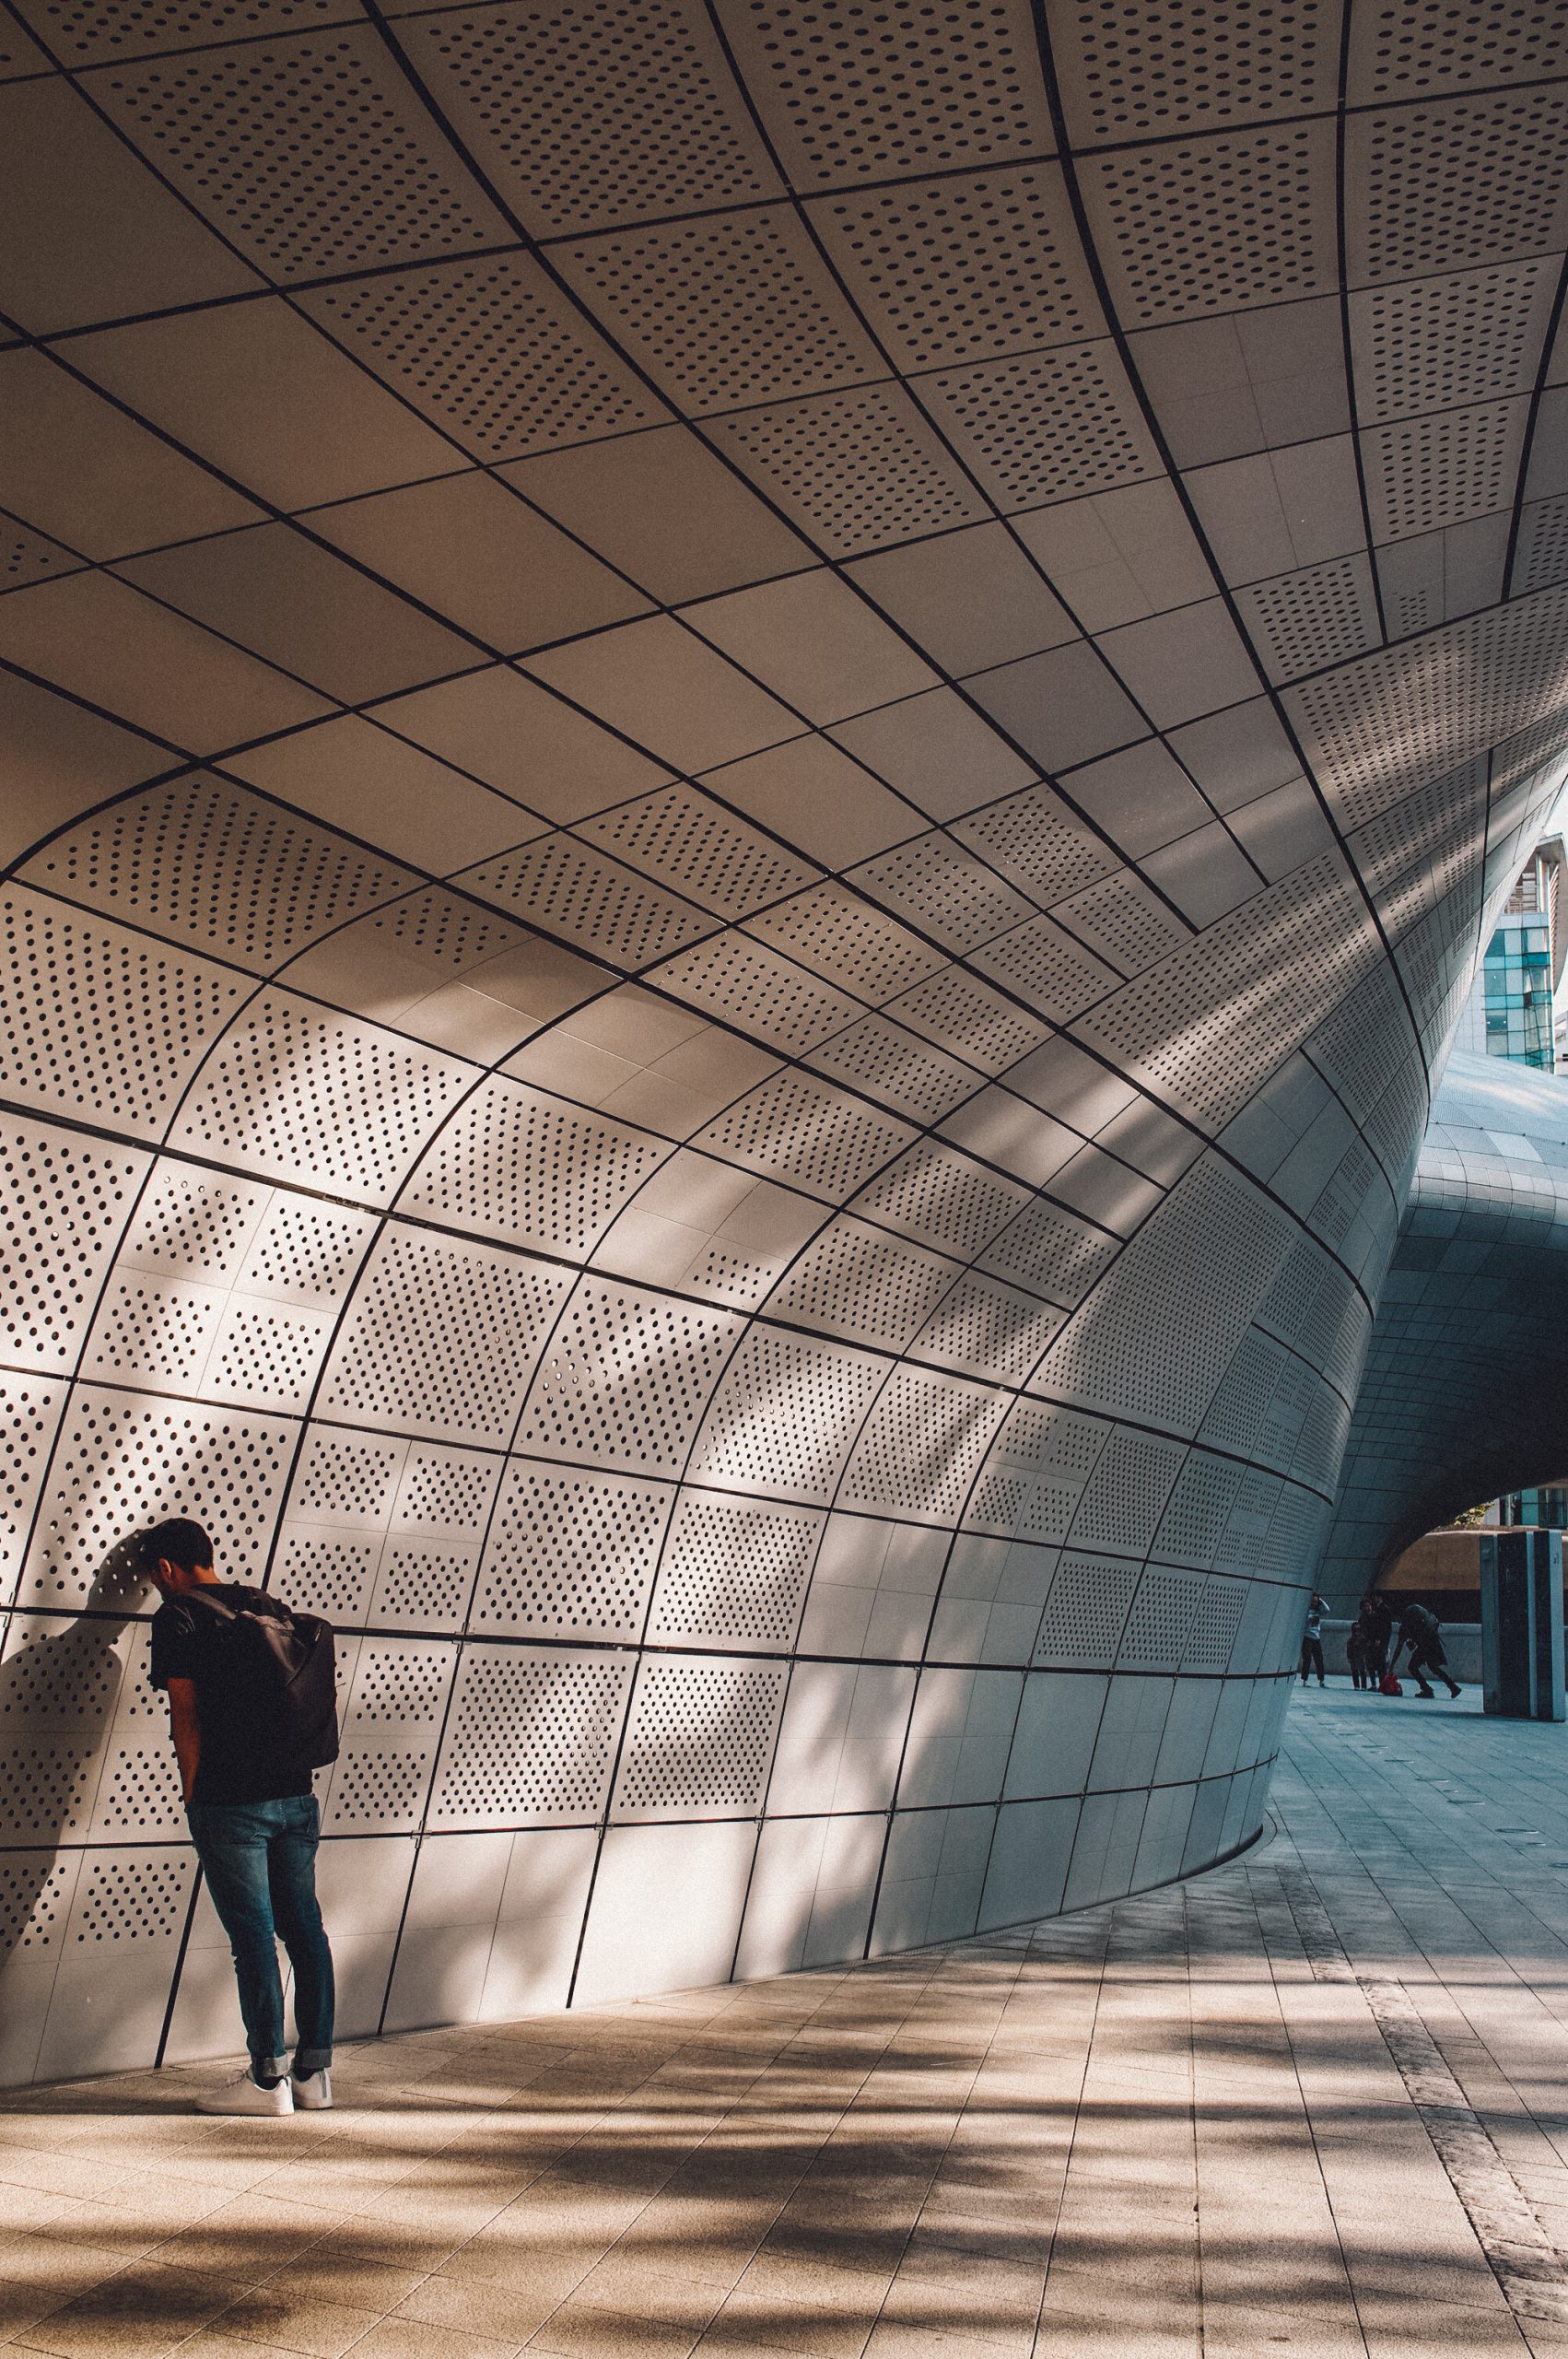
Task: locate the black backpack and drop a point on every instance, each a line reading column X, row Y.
column 275, row 1670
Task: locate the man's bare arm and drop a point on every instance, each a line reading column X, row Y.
column 185, row 1721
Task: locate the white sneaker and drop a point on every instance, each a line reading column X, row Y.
column 312, row 2091
column 245, row 2096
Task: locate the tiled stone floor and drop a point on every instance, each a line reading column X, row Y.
column 1315, row 2102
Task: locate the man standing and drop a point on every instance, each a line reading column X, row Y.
column 1377, row 1623
column 253, row 1817
column 1419, row 1631
column 1312, row 1638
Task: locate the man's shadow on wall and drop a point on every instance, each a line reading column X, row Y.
column 59, row 1695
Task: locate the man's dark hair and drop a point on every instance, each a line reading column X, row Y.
column 179, row 1541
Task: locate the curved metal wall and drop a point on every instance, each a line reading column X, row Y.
column 1464, row 1390
column 754, row 753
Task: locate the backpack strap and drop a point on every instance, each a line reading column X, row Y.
column 210, row 1612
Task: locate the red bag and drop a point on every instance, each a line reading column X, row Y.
column 1389, row 1685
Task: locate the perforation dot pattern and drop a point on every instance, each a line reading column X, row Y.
column 354, row 184
column 64, row 1201
column 683, row 839
column 965, row 269
column 785, row 1416
column 293, row 1090
column 514, row 1163
column 1045, row 426
column 99, row 1021
column 858, row 470
column 626, row 1378
column 729, row 309
column 1459, row 183
column 1222, row 224
column 872, row 94
column 1085, row 1611
column 532, row 1737
column 1215, row 1622
column 571, row 1556
column 205, row 863
column 597, row 110
column 564, row 889
column 734, row 1574
column 1197, row 67
column 699, row 1738
column 441, row 1338
column 128, row 1898
column 491, row 351
column 807, row 1132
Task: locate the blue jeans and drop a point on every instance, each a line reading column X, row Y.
column 260, row 1862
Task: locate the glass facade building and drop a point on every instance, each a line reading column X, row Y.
column 1517, row 994
column 1513, row 1010
column 1547, row 1505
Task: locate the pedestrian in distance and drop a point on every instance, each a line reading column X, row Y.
column 253, row 1709
column 1355, row 1656
column 1312, row 1638
column 1375, row 1620
column 1420, row 1631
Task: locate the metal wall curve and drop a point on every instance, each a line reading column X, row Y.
column 1463, row 1394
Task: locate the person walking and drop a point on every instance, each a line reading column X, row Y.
column 252, row 1711
column 1419, row 1630
column 1376, row 1621
column 1355, row 1656
column 1312, row 1638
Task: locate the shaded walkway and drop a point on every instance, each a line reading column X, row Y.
column 1317, row 2102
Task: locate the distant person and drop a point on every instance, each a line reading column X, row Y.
column 1312, row 1638
column 1355, row 1656
column 1420, row 1630
column 253, row 1710
column 1376, row 1621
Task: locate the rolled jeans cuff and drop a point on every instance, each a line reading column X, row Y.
column 310, row 2060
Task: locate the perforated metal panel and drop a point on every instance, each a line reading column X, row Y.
column 441, row 1338
column 785, row 1415
column 517, row 1164
column 100, row 1024
column 800, row 1130
column 734, row 1574
column 200, row 863
column 571, row 1556
column 1087, row 1609
column 361, row 180
column 880, row 95
column 532, row 1737
column 969, row 267
column 550, row 99
column 727, row 308
column 626, row 1379
column 1218, row 225
column 942, row 1198
column 859, row 471
column 561, row 887
column 1083, row 432
column 292, row 1090
column 685, row 839
column 699, row 1738
column 922, row 1446
column 127, row 1458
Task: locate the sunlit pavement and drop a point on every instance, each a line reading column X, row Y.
column 1316, row 2101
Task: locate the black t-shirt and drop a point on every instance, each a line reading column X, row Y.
column 234, row 1766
